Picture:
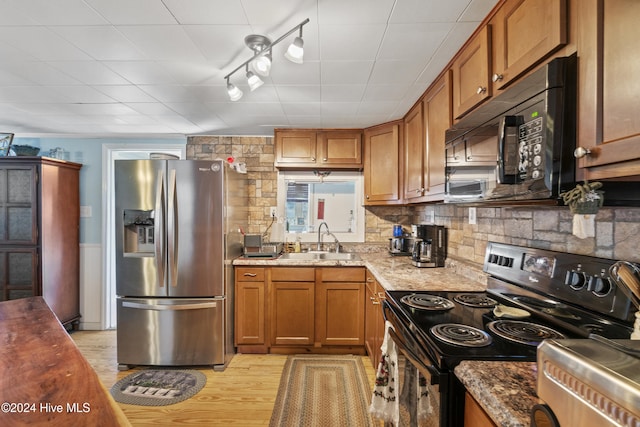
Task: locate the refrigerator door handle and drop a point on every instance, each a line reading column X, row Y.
column 158, row 229
column 172, row 230
column 167, row 307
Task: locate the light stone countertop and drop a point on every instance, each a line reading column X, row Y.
column 505, row 390
column 392, row 272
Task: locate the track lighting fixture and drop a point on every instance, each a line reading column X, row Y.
column 262, row 57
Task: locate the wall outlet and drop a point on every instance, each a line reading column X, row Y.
column 274, row 212
column 472, row 215
column 431, row 217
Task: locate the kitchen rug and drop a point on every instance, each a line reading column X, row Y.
column 322, row 390
column 158, row 387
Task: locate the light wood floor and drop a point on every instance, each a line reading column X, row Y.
column 241, row 395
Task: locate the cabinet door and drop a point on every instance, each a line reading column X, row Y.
column 19, row 276
column 414, row 149
column 608, row 122
column 382, row 170
column 437, row 119
column 524, row 33
column 471, row 79
column 340, row 316
column 250, row 307
column 474, row 415
column 295, row 148
column 292, row 313
column 340, row 149
column 18, row 204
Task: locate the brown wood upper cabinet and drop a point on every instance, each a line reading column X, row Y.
column 518, row 37
column 425, row 126
column 471, row 78
column 382, row 160
column 524, row 32
column 608, row 123
column 318, row 149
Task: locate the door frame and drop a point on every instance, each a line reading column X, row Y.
column 111, row 153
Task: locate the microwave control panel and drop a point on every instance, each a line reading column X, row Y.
column 530, row 150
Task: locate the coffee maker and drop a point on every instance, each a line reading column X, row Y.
column 429, row 245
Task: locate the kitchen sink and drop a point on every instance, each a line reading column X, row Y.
column 312, row 256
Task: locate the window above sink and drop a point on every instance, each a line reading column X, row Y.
column 306, row 199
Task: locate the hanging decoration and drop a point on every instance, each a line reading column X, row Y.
column 584, row 201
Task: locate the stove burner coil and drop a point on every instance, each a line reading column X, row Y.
column 475, row 300
column 461, row 335
column 427, row 302
column 522, row 332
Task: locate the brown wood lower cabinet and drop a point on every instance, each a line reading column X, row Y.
column 374, row 320
column 474, row 415
column 299, row 309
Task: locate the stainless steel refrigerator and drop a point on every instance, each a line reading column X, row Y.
column 178, row 226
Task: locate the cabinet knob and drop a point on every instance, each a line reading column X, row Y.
column 497, row 77
column 481, row 90
column 469, row 158
column 580, row 152
column 313, row 159
column 325, row 159
column 367, row 196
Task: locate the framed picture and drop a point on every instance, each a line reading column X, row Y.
column 5, row 143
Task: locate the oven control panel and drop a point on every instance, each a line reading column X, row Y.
column 576, row 279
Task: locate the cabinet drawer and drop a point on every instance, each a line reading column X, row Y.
column 293, row 274
column 249, row 274
column 339, row 274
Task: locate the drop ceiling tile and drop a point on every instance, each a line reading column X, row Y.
column 350, row 42
column 82, row 94
column 172, row 93
column 30, row 94
column 114, row 109
column 339, row 108
column 385, row 92
column 412, row 41
column 407, row 11
column 396, row 71
column 298, row 93
column 301, row 108
column 125, row 93
column 238, row 109
column 39, row 73
column 288, row 73
column 13, row 15
column 343, row 93
column 151, row 108
column 59, row 12
column 89, row 72
column 207, row 11
column 103, row 43
column 279, row 14
column 368, row 108
column 355, row 11
column 133, row 12
column 345, row 72
column 9, row 78
column 305, row 122
column 41, row 43
column 195, row 72
column 141, row 72
column 221, row 43
column 162, row 42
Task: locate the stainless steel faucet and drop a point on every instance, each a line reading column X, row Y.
column 319, row 246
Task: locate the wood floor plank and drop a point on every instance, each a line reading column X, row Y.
column 242, row 395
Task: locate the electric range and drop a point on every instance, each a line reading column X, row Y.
column 532, row 295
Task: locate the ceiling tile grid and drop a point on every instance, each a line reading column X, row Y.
column 157, row 67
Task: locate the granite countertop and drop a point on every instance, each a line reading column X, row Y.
column 393, row 272
column 505, row 390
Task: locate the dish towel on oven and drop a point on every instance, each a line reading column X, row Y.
column 384, row 402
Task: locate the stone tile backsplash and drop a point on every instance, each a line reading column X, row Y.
column 617, row 233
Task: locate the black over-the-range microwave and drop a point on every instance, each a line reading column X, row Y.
column 519, row 145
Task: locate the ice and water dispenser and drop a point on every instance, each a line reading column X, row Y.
column 138, row 232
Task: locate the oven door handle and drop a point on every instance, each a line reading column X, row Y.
column 415, row 360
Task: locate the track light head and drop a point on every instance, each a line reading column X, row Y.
column 234, row 92
column 253, row 81
column 295, row 53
